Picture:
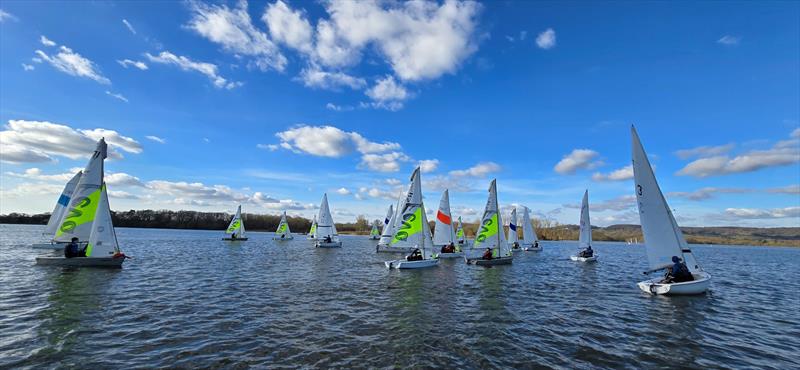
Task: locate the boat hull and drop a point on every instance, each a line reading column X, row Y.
column 584, row 259
column 699, row 285
column 81, row 261
column 235, row 240
column 51, row 246
column 491, row 262
column 533, row 249
column 320, row 244
column 388, row 249
column 452, row 255
column 407, row 265
column 277, row 238
column 374, row 238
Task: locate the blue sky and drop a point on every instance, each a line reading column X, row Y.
column 270, row 104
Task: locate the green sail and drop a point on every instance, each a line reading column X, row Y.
column 411, row 225
column 488, row 229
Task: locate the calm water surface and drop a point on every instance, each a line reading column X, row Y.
column 189, row 299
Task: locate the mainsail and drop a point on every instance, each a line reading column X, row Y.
column 388, row 229
column 490, row 232
column 387, row 220
column 326, row 226
column 663, row 238
column 460, row 238
column 585, row 237
column 237, row 224
column 78, row 218
column 528, row 233
column 313, row 230
column 512, row 228
column 413, row 230
column 374, row 233
column 283, row 227
column 443, row 232
column 61, row 206
column 103, row 237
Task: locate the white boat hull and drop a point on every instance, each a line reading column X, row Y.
column 320, row 244
column 279, row 238
column 491, row 262
column 699, row 285
column 235, row 240
column 388, row 249
column 403, row 264
column 533, row 249
column 452, row 255
column 51, row 246
column 584, row 259
column 81, row 261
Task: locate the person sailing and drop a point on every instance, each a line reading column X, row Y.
column 586, row 253
column 328, row 239
column 416, row 255
column 233, row 236
column 678, row 273
column 72, row 250
column 449, row 248
column 487, row 255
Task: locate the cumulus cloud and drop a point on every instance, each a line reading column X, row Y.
column 129, row 26
column 156, row 139
column 389, row 162
column 208, row 69
column 374, row 192
column 388, row 94
column 479, row 170
column 728, row 40
column 122, row 179
column 329, row 141
column 428, row 165
column 73, row 64
column 621, row 203
column 196, row 190
column 46, row 42
column 288, row 26
column 339, row 108
column 36, row 174
column 117, row 96
column 125, row 63
column 270, row 147
column 782, row 153
column 707, row 193
column 343, row 191
column 39, row 141
column 704, row 151
column 233, row 29
column 6, row 16
column 791, row 189
column 27, row 67
column 546, row 39
column 576, row 160
column 317, row 78
column 624, row 173
column 119, row 194
column 757, row 213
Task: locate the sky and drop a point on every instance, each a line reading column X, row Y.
column 271, row 104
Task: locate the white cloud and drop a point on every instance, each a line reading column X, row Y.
column 135, row 63
column 392, row 182
column 428, row 165
column 196, row 190
column 756, row 213
column 129, row 26
column 339, row 108
column 343, row 191
column 728, row 40
column 4, row 16
column 624, row 173
column 36, row 174
column 389, row 162
column 186, row 64
column 118, row 194
column 39, row 141
column 74, row 64
column 288, row 26
column 156, row 139
column 270, row 147
column 117, row 96
column 373, row 192
column 706, row 193
column 46, row 42
column 795, row 133
column 577, row 159
column 782, row 153
column 388, row 94
column 234, row 31
column 27, row 67
column 317, row 78
column 704, row 151
column 329, row 141
column 791, row 189
column 547, row 39
column 122, row 180
column 620, row 203
column 479, row 170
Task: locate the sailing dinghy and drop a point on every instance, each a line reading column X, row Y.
column 283, row 232
column 513, row 238
column 414, row 232
column 386, row 231
column 88, row 218
column 585, row 236
column 385, row 243
column 443, row 232
column 58, row 212
column 235, row 230
column 490, row 235
column 313, row 230
column 530, row 242
column 326, row 235
column 374, row 234
column 461, row 239
column 662, row 236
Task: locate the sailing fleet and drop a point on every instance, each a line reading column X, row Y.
column 82, row 215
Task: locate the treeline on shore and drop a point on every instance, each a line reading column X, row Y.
column 546, row 229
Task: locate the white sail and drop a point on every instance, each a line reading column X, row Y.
column 443, row 231
column 512, row 228
column 460, row 236
column 662, row 236
column 528, row 233
column 283, row 227
column 375, row 231
column 61, row 206
column 585, row 237
column 388, row 229
column 237, row 224
column 313, row 230
column 325, row 225
column 413, row 230
column 78, row 217
column 490, row 231
column 387, row 220
column 103, row 237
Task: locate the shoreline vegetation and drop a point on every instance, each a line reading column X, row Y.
column 546, row 229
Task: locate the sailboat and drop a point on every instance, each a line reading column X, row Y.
column 443, row 232
column 283, row 232
column 326, row 235
column 585, row 236
column 461, row 239
column 58, row 213
column 88, row 218
column 513, row 238
column 235, row 230
column 374, row 234
column 312, row 232
column 662, row 236
column 414, row 232
column 491, row 235
column 530, row 242
column 386, row 233
column 385, row 243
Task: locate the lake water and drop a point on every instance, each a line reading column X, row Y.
column 188, row 299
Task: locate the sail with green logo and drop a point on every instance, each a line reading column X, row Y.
column 412, row 229
column 235, row 230
column 76, row 222
column 375, row 233
column 103, row 237
column 490, row 231
column 460, row 237
column 313, row 230
column 283, row 233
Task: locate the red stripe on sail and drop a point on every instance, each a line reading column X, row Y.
column 445, row 219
